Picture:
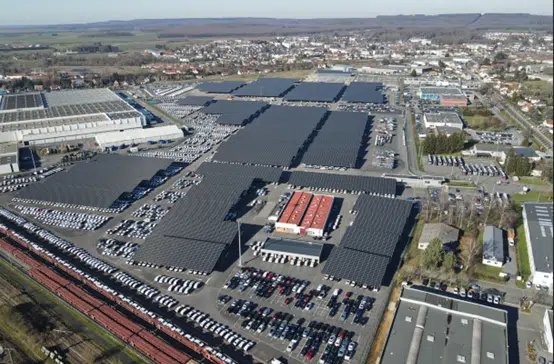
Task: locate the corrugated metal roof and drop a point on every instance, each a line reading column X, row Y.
column 493, row 244
column 317, row 213
column 296, row 208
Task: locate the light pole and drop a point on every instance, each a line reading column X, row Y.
column 240, row 244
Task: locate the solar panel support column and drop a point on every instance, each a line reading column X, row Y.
column 476, row 342
column 416, row 338
column 240, row 244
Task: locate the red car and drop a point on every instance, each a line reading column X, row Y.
column 275, row 317
column 282, row 292
column 310, row 354
column 288, row 301
column 341, row 335
column 348, row 294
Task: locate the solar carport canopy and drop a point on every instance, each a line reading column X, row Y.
column 369, row 185
column 97, row 182
column 364, row 92
column 315, row 92
column 195, row 101
column 225, row 87
column 266, row 174
column 235, row 112
column 196, row 228
column 274, row 138
column 339, row 141
column 267, row 87
column 368, row 245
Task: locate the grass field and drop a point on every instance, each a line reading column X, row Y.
column 522, row 253
column 533, row 181
column 461, row 184
column 488, row 123
column 533, row 196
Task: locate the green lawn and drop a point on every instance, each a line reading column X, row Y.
column 533, row 181
column 533, row 196
column 413, row 250
column 489, row 123
column 522, row 254
column 461, row 184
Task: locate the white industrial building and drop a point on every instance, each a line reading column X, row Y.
column 449, row 119
column 538, row 223
column 65, row 116
column 547, row 331
column 138, row 136
column 9, row 158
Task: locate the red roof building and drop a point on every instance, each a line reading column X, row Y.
column 316, row 216
column 305, row 214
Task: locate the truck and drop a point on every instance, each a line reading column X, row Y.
column 511, row 236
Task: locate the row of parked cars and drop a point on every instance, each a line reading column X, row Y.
column 116, row 248
column 350, row 282
column 133, row 229
column 178, row 285
column 204, row 321
column 150, row 212
column 171, row 196
column 111, row 210
column 64, row 219
column 265, row 283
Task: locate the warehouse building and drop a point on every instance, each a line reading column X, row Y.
column 493, row 246
column 432, row 328
column 9, row 158
column 305, row 214
column 453, row 100
column 304, row 250
column 537, row 219
column 435, row 93
column 139, row 136
column 66, row 116
column 443, row 119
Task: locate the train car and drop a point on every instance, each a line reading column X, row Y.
column 84, row 295
column 121, row 319
column 75, row 301
column 150, row 351
column 120, row 331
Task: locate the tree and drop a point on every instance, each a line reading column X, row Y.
column 449, row 262
column 471, row 251
column 434, row 254
column 413, row 73
column 525, row 142
column 442, row 65
column 486, row 62
column 500, row 56
column 385, row 62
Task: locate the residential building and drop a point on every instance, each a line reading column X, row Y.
column 446, row 233
column 493, row 246
column 538, row 223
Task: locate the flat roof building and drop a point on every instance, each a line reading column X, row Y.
column 9, row 162
column 493, row 246
column 293, row 248
column 449, row 119
column 432, row 328
column 446, row 233
column 435, row 93
column 538, row 223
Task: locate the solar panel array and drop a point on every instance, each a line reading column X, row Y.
column 225, row 87
column 235, row 112
column 366, row 92
column 77, row 97
column 339, row 141
column 267, row 87
column 370, row 185
column 98, row 182
column 274, row 138
column 14, row 102
column 368, row 245
column 66, row 110
column 266, row 174
column 195, row 101
column 196, row 230
column 315, row 92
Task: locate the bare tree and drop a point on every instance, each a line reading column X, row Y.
column 471, row 251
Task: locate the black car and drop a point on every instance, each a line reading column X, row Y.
column 301, row 321
column 425, row 281
column 244, row 324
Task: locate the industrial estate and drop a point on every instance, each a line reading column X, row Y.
column 341, row 217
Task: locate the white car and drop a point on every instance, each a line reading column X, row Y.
column 529, row 284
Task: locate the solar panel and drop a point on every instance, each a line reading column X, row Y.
column 266, row 174
column 339, row 142
column 235, row 112
column 315, row 92
column 98, row 182
column 225, row 87
column 25, row 101
column 370, row 185
column 267, row 87
column 195, row 101
column 274, row 138
column 196, row 230
column 365, row 92
column 369, row 244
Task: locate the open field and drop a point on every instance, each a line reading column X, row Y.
column 533, row 181
column 522, row 254
column 488, row 123
column 533, row 196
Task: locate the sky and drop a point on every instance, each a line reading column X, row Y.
column 37, row 12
